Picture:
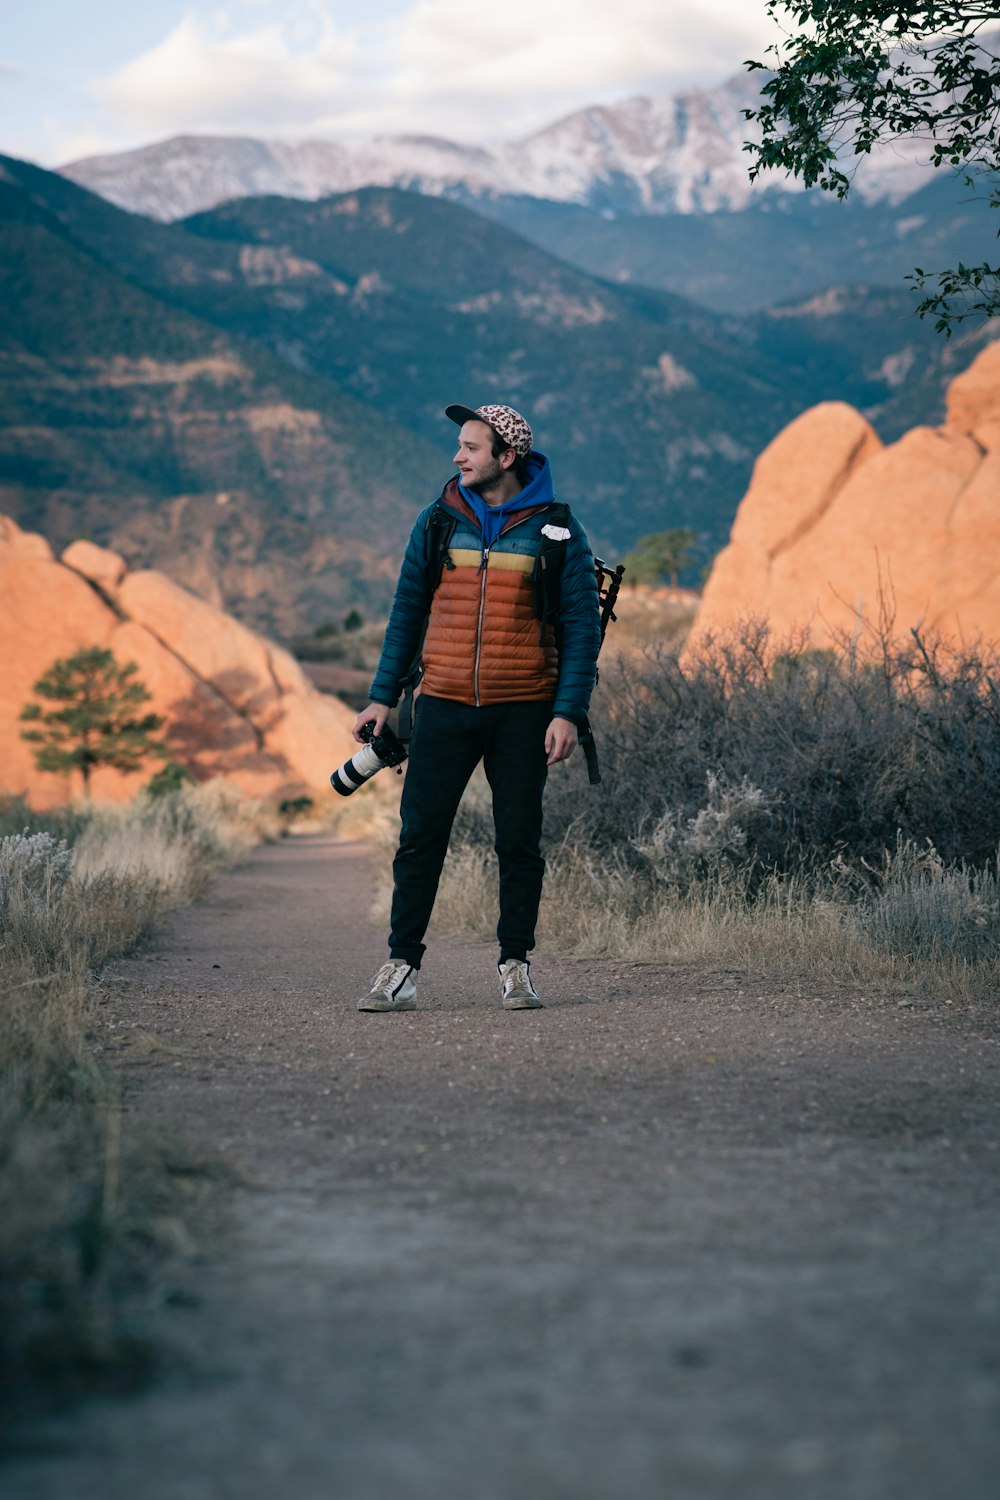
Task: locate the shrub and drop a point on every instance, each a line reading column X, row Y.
column 81, row 1192
column 926, row 909
column 295, row 807
column 34, row 866
column 845, row 750
column 64, row 822
column 778, row 808
column 714, row 841
column 171, row 777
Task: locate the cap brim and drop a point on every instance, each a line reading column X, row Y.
column 462, row 414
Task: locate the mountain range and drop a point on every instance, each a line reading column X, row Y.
column 124, row 417
column 251, row 397
column 674, row 154
column 653, row 191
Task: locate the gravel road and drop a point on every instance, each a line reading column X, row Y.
column 677, row 1236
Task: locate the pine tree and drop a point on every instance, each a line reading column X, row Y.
column 94, row 721
column 660, row 555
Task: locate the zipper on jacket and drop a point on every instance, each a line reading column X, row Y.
column 484, row 569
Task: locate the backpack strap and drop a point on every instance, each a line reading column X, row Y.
column 439, row 529
column 547, row 576
column 548, row 595
column 585, row 737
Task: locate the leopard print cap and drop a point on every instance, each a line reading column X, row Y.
column 504, row 420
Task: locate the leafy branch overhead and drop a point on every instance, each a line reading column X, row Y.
column 854, row 75
column 94, row 720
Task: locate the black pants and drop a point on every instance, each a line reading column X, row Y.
column 448, row 742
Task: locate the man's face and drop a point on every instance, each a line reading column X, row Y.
column 474, row 458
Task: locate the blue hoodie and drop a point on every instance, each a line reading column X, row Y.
column 537, row 491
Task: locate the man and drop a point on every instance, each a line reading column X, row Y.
column 495, row 686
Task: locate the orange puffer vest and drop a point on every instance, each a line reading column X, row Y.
column 484, row 643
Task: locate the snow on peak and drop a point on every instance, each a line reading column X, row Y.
column 681, row 153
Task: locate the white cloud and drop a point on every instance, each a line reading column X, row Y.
column 524, row 46
column 206, row 75
column 506, row 70
column 435, row 66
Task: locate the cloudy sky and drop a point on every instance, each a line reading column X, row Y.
column 84, row 76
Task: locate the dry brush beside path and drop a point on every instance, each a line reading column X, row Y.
column 676, row 1235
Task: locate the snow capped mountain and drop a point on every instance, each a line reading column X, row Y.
column 681, row 154
column 189, row 174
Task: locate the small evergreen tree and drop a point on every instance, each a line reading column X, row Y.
column 660, row 555
column 94, row 721
column 170, row 778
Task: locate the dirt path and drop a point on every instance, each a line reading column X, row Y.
column 674, row 1236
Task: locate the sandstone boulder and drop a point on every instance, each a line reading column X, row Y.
column 221, row 650
column 234, row 704
column 46, row 611
column 974, row 396
column 98, row 564
column 17, row 543
column 837, row 533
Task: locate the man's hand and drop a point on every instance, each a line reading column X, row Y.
column 561, row 740
column 375, row 715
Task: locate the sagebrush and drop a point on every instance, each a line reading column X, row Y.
column 849, row 748
column 86, row 1202
column 769, row 806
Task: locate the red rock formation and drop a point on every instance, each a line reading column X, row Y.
column 835, row 528
column 234, row 704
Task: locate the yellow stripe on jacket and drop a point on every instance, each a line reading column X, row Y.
column 469, row 557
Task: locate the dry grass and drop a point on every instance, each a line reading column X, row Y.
column 780, row 929
column 371, row 813
column 171, row 846
column 689, row 892
column 769, row 808
column 87, row 1204
column 645, row 614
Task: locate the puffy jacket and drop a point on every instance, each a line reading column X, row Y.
column 484, row 643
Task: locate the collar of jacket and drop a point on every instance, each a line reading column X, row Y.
column 492, row 520
column 453, row 498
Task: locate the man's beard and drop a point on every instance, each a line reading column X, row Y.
column 491, row 477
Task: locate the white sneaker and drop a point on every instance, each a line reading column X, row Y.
column 516, row 989
column 393, row 988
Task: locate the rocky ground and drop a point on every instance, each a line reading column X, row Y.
column 677, row 1235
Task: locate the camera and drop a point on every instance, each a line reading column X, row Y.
column 380, row 750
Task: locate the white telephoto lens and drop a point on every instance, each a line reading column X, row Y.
column 356, row 771
column 365, row 763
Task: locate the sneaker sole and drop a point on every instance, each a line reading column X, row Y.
column 384, row 1005
column 522, row 1002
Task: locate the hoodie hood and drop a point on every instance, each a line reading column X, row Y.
column 492, row 518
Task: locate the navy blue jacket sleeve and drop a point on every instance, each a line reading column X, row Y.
column 410, row 604
column 580, row 628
